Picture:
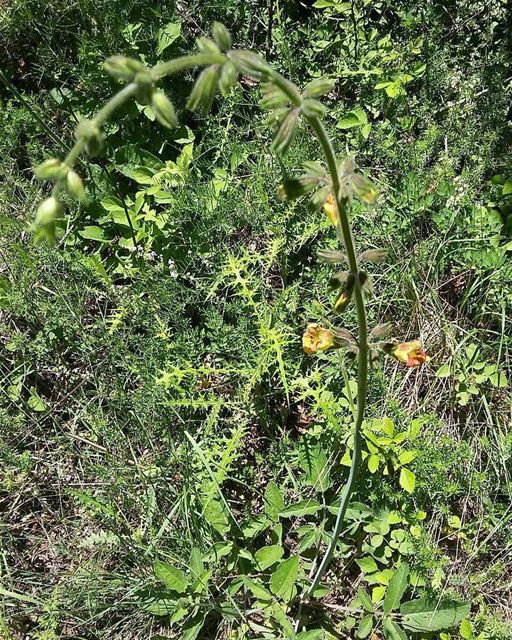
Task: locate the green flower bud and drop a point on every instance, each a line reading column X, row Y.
column 75, row 185
column 251, row 64
column 201, row 96
column 164, row 110
column 221, row 36
column 205, row 45
column 90, row 133
column 275, row 118
column 339, row 280
column 347, row 166
column 286, row 132
column 318, row 199
column 272, row 97
column 344, row 298
column 293, row 188
column 319, row 87
column 51, row 169
column 374, row 255
column 145, row 85
column 363, row 188
column 228, row 77
column 313, row 109
column 332, row 257
column 122, row 68
column 48, row 211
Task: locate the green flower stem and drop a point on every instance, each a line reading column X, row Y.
column 186, row 62
column 347, row 240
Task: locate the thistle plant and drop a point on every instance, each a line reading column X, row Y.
column 330, row 184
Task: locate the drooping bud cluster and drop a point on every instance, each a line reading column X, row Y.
column 47, row 214
column 51, row 209
column 130, row 70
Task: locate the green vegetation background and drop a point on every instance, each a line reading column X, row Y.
column 176, row 298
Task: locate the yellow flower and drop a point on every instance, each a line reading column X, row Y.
column 331, row 209
column 317, row 338
column 410, row 353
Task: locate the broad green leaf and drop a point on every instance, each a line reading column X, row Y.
column 444, row 371
column 282, row 619
column 274, row 502
column 215, row 513
column 172, row 577
column 167, row 35
column 365, row 627
column 407, row 480
column 92, row 232
column 365, row 600
column 507, row 188
column 257, row 590
column 302, row 508
column 396, row 589
column 406, row 457
column 378, row 593
column 428, row 614
column 35, row 402
column 267, row 556
column 160, row 606
column 355, row 118
column 283, row 578
column 392, row 631
column 373, row 463
column 466, row 630
column 193, row 627
column 217, row 551
column 367, row 564
column 314, row 463
column 498, row 379
column 196, row 563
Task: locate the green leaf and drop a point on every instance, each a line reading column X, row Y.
column 428, row 614
column 507, row 188
column 367, row 564
column 407, row 480
column 193, row 627
column 172, row 577
column 257, row 590
column 312, row 634
column 444, row 371
column 167, row 35
column 373, row 463
column 396, row 589
column 35, row 402
column 267, row 556
column 283, row 578
column 281, row 618
column 392, row 631
column 365, row 627
column 315, row 465
column 406, row 457
column 196, row 563
column 498, row 380
column 302, row 508
column 355, row 118
column 465, row 630
column 274, row 502
column 92, row 232
column 365, row 600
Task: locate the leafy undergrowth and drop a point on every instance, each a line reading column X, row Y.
column 171, row 461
